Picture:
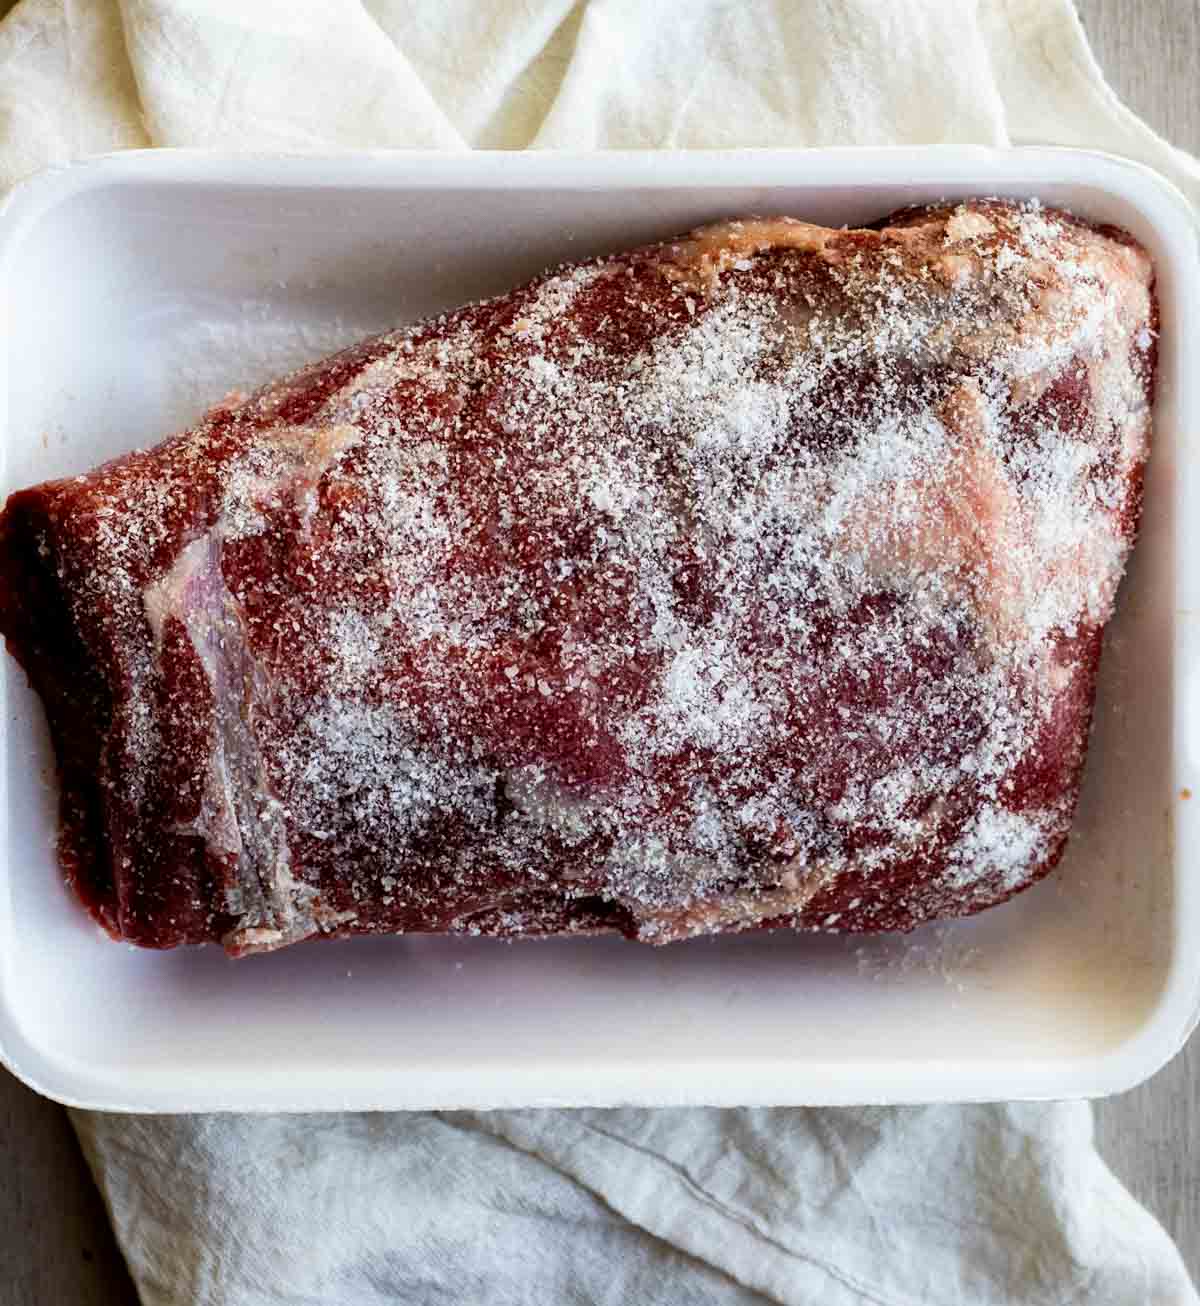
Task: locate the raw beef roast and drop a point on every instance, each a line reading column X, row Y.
column 755, row 578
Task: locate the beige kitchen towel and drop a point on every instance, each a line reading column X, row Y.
column 918, row 1206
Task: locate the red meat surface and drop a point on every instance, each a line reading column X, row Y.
column 755, row 578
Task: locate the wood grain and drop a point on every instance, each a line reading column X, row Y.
column 1150, row 52
column 56, row 1248
column 55, row 1245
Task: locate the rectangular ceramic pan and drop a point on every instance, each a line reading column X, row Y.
column 137, row 289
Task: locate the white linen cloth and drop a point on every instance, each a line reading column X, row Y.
column 887, row 1206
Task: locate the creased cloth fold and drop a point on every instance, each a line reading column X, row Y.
column 871, row 1206
column 918, row 1206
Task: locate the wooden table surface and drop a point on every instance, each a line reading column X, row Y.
column 55, row 1245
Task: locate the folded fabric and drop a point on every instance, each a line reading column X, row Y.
column 888, row 1206
column 891, row 1206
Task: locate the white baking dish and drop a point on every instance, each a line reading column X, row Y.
column 138, row 288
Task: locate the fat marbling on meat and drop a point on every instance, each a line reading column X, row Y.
column 754, row 578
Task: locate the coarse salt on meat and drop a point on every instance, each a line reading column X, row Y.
column 753, row 578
